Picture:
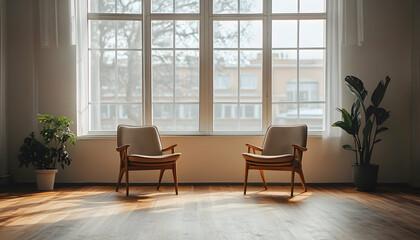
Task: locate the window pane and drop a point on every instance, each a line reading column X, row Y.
column 129, row 76
column 250, row 117
column 284, row 114
column 162, row 6
column 311, row 75
column 251, row 6
column 284, row 69
column 225, row 117
column 251, row 34
column 129, row 6
column 312, row 115
column 163, row 116
column 225, row 34
column 102, row 6
column 225, row 6
column 102, row 76
column 251, row 76
column 187, row 6
column 187, row 76
column 225, row 76
column 186, row 34
column 102, row 117
column 129, row 114
column 162, row 76
column 129, row 34
column 312, row 6
column 101, row 34
column 284, row 34
column 285, row 6
column 187, row 117
column 162, row 34
column 311, row 33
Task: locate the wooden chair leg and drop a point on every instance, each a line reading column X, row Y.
column 119, row 179
column 246, row 176
column 302, row 179
column 126, row 181
column 175, row 178
column 263, row 179
column 160, row 178
column 292, row 183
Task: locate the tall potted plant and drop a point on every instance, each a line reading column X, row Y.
column 44, row 155
column 364, row 172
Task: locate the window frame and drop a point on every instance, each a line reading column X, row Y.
column 206, row 18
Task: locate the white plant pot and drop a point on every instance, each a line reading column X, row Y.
column 45, row 179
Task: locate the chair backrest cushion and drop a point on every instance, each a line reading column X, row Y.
column 142, row 140
column 279, row 139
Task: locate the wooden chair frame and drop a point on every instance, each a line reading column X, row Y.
column 295, row 165
column 130, row 163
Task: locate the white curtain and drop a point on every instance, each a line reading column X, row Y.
column 82, row 67
column 334, row 81
column 56, row 23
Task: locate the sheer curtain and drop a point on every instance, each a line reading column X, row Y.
column 334, row 81
column 82, row 67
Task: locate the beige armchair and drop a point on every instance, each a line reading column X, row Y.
column 282, row 150
column 140, row 148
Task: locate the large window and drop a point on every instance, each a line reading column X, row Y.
column 206, row 67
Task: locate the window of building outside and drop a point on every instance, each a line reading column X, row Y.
column 206, row 67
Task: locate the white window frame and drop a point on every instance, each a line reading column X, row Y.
column 206, row 18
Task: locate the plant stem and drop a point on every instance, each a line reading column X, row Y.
column 356, row 151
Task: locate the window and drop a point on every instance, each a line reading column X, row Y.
column 237, row 52
column 115, row 64
column 298, row 63
column 206, row 67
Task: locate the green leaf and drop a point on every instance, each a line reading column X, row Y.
column 348, row 147
column 344, row 126
column 369, row 111
column 379, row 92
column 356, row 86
column 355, row 107
column 381, row 115
column 382, row 129
column 346, row 116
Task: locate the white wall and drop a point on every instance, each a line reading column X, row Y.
column 386, row 51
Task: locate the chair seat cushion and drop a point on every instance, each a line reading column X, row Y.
column 285, row 158
column 167, row 158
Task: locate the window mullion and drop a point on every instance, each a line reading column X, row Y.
column 238, row 105
column 298, row 71
column 173, row 73
column 267, row 69
column 147, row 66
column 206, row 67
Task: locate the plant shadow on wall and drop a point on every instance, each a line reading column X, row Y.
column 44, row 155
column 364, row 173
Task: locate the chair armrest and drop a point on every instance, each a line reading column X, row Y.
column 122, row 148
column 299, row 147
column 253, row 147
column 172, row 148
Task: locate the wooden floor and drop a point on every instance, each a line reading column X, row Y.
column 210, row 212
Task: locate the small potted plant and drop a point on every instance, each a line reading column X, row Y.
column 44, row 155
column 364, row 173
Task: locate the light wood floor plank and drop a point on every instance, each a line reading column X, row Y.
column 209, row 212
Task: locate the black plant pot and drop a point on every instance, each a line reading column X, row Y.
column 365, row 177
